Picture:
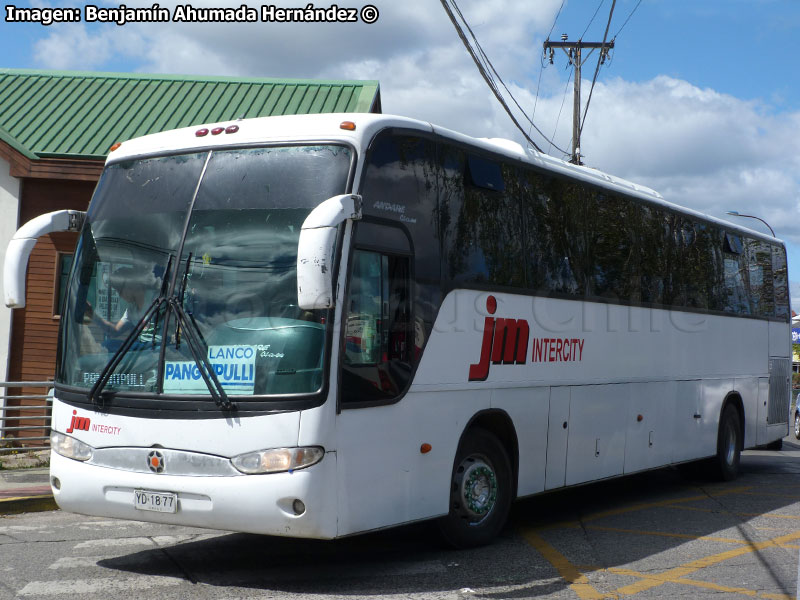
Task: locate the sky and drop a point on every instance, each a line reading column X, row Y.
column 699, row 100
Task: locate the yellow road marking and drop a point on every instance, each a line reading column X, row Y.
column 25, row 498
column 703, row 584
column 660, row 504
column 577, row 581
column 771, row 495
column 708, row 510
column 684, row 536
column 679, row 572
column 580, row 584
column 661, row 579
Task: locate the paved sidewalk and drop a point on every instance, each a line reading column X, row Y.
column 24, row 484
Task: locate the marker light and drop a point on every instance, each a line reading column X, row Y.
column 217, row 130
column 201, row 132
column 277, row 460
column 348, row 125
column 231, row 129
column 68, row 446
column 115, row 146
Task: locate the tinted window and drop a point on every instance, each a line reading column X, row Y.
column 483, row 235
column 379, row 335
column 401, row 184
column 548, row 257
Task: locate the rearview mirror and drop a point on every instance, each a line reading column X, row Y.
column 19, row 249
column 316, row 247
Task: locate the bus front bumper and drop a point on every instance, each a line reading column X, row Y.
column 263, row 504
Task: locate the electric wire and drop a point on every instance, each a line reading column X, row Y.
column 599, row 6
column 484, row 58
column 597, row 68
column 560, row 110
column 626, row 20
column 541, row 70
column 536, row 99
column 488, row 72
column 491, row 70
column 556, row 19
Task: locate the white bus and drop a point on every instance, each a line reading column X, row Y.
column 316, row 326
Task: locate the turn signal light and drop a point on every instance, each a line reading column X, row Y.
column 348, row 125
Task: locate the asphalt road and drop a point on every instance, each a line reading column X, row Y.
column 661, row 534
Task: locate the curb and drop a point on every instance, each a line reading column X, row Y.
column 23, row 504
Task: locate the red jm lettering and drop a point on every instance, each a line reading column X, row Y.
column 505, row 341
column 79, row 423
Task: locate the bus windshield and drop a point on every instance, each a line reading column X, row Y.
column 235, row 217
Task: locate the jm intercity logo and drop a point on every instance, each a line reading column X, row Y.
column 505, row 342
column 85, row 424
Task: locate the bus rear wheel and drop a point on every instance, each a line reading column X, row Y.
column 480, row 491
column 729, row 444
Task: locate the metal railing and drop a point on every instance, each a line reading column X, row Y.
column 21, row 435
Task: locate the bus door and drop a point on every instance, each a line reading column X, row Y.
column 373, row 430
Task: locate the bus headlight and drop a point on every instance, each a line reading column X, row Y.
column 278, row 460
column 68, row 446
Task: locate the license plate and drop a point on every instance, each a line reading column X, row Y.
column 155, row 501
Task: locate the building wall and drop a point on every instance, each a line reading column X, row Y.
column 34, row 331
column 10, row 188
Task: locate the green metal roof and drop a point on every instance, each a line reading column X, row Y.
column 80, row 114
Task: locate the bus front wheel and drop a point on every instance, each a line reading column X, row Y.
column 480, row 491
column 729, row 444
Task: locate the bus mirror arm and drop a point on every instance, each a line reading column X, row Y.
column 21, row 245
column 316, row 248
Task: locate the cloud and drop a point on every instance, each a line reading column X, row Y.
column 72, row 48
column 697, row 146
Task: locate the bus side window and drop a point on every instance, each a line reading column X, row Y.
column 376, row 364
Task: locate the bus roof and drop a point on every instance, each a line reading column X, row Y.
column 329, row 127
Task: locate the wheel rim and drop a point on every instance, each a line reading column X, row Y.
column 730, row 445
column 476, row 486
column 797, row 426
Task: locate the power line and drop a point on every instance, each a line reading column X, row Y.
column 600, row 61
column 574, row 51
column 626, row 20
column 599, row 6
column 560, row 110
column 539, row 82
column 487, row 70
column 556, row 19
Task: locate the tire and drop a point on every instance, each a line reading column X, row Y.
column 797, row 425
column 480, row 491
column 729, row 445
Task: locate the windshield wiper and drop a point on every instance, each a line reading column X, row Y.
column 197, row 344
column 95, row 394
column 199, row 351
column 194, row 340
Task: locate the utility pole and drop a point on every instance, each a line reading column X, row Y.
column 574, row 51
